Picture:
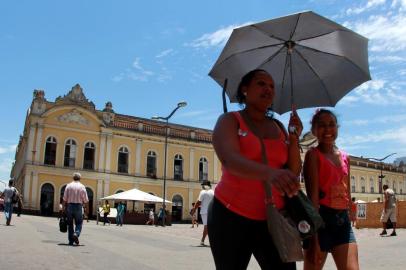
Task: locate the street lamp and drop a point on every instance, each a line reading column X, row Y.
column 166, row 119
column 381, row 177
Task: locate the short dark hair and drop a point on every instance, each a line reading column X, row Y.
column 317, row 115
column 385, row 186
column 10, row 182
column 246, row 80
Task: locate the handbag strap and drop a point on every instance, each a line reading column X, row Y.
column 254, row 130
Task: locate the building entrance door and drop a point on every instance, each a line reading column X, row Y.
column 47, row 200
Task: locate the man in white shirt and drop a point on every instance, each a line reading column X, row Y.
column 389, row 210
column 205, row 197
column 9, row 194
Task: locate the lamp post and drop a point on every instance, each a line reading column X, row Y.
column 166, row 119
column 381, row 176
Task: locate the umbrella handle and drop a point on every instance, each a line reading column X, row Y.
column 224, row 96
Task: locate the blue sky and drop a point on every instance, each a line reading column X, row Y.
column 145, row 56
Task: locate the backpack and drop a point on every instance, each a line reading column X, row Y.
column 15, row 197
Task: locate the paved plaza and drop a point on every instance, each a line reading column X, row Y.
column 34, row 242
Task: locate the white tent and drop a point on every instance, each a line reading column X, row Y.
column 135, row 195
column 360, row 201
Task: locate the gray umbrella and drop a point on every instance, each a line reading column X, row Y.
column 314, row 61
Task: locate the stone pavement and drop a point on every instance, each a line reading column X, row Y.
column 35, row 243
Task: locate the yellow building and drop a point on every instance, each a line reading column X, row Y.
column 113, row 152
column 116, row 152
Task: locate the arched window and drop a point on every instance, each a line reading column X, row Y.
column 70, row 154
column 177, row 208
column 203, row 169
column 372, row 185
column 123, row 160
column 47, row 200
column 178, row 168
column 50, row 151
column 362, row 184
column 151, row 164
column 352, row 183
column 89, row 156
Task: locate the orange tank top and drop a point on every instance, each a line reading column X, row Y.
column 333, row 181
column 246, row 197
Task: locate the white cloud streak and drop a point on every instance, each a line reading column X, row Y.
column 369, row 5
column 164, row 53
column 8, row 149
column 215, row 39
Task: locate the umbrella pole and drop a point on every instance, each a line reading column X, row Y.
column 224, row 96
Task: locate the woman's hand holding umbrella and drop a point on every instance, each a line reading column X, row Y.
column 295, row 124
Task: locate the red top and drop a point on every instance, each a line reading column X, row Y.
column 333, row 181
column 246, row 197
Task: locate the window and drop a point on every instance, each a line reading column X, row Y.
column 362, row 185
column 123, row 160
column 70, row 154
column 88, row 158
column 50, row 151
column 352, row 184
column 178, row 168
column 203, row 169
column 371, row 185
column 151, row 164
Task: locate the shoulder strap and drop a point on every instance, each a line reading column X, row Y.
column 253, row 128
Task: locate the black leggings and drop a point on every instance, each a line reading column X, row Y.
column 233, row 239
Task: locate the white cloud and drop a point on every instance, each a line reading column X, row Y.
column 164, row 53
column 377, row 92
column 386, row 32
column 369, row 5
column 378, row 120
column 217, row 38
column 397, row 135
column 8, row 149
column 136, row 73
column 5, row 167
column 388, row 58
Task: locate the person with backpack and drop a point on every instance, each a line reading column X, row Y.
column 389, row 210
column 10, row 196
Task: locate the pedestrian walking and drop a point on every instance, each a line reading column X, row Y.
column 353, row 212
column 237, row 223
column 204, row 200
column 120, row 214
column 10, row 195
column 327, row 174
column 151, row 218
column 194, row 215
column 106, row 212
column 19, row 205
column 389, row 210
column 74, row 198
column 160, row 216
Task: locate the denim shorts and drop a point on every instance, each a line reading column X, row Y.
column 337, row 230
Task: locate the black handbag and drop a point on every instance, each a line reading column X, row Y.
column 63, row 224
column 307, row 219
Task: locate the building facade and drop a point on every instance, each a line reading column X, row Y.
column 116, row 152
column 113, row 152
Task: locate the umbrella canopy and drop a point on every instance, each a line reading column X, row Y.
column 313, row 61
column 135, row 195
column 360, row 201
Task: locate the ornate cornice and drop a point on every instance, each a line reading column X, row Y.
column 75, row 96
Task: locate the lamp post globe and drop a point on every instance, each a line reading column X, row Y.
column 166, row 119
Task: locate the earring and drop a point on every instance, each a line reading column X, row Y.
column 245, row 93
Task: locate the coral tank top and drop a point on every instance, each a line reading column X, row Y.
column 246, row 197
column 333, row 181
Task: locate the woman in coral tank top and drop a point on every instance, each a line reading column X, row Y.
column 237, row 219
column 326, row 171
